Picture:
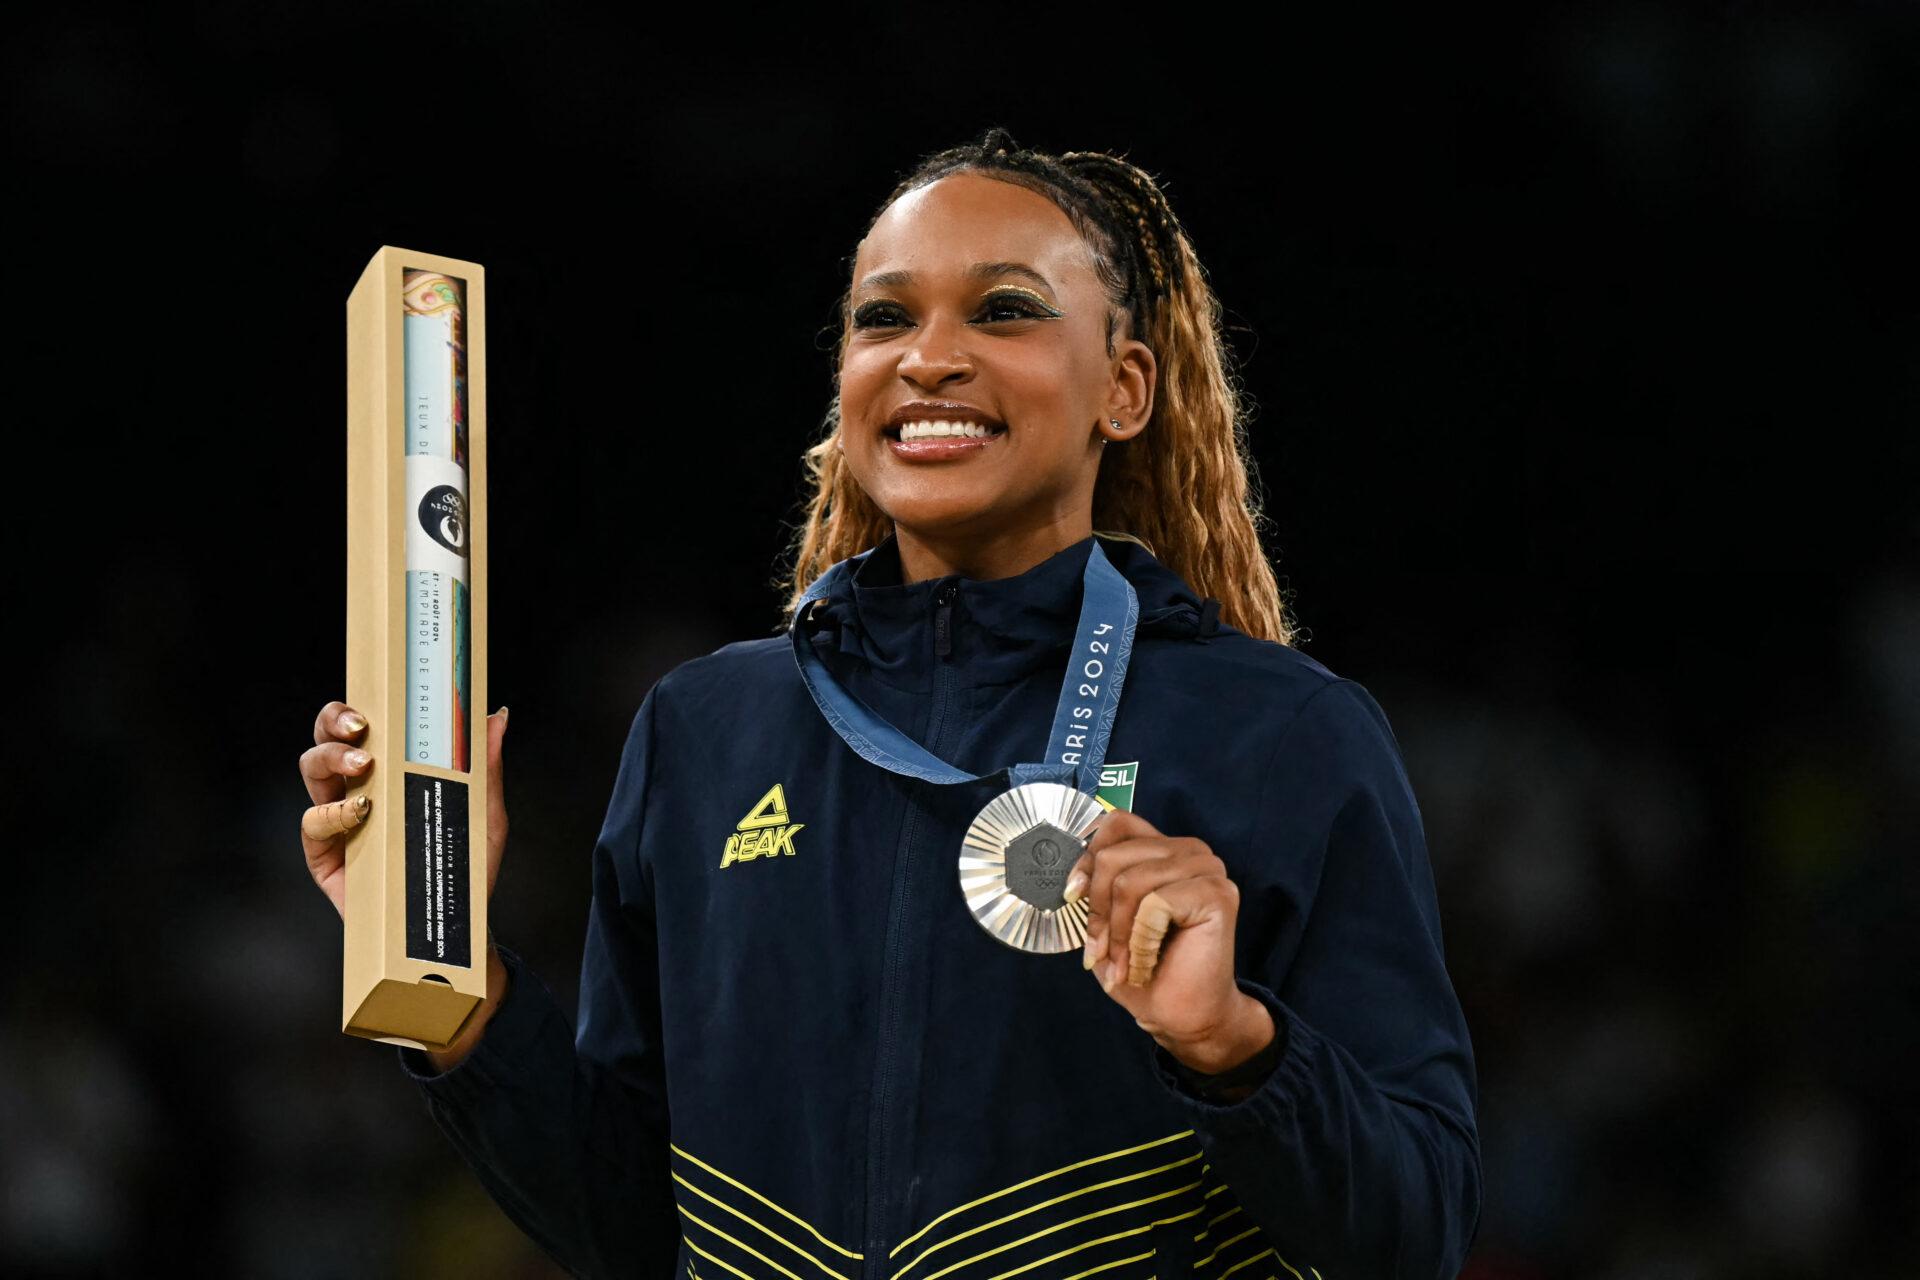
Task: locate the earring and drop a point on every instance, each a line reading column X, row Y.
column 1116, row 427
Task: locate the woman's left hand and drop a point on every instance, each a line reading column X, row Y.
column 1160, row 924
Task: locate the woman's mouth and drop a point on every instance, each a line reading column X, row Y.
column 939, row 441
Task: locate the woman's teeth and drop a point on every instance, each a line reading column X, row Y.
column 928, row 430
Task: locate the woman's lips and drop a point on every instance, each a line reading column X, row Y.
column 941, row 448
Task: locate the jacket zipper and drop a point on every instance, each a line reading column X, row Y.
column 879, row 1130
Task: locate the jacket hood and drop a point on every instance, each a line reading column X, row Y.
column 1000, row 629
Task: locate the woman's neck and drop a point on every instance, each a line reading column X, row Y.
column 998, row 555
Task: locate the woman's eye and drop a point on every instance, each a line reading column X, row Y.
column 1007, row 306
column 871, row 316
column 1020, row 308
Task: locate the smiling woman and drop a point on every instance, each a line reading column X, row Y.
column 1057, row 301
column 831, row 1019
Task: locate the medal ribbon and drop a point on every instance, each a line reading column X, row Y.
column 1082, row 722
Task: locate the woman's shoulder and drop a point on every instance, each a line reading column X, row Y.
column 1297, row 698
column 739, row 667
column 1234, row 665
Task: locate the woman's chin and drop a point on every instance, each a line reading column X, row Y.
column 943, row 515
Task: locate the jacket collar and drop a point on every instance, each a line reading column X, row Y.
column 1002, row 628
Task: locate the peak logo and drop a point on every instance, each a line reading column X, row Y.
column 765, row 832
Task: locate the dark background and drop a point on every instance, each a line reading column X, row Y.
column 1581, row 355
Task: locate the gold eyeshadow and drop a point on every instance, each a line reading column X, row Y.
column 1027, row 295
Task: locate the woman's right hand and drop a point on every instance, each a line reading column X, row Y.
column 334, row 759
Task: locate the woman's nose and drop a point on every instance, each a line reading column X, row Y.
column 934, row 355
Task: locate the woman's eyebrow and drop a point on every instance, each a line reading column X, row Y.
column 978, row 271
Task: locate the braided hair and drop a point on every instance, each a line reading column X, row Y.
column 1183, row 487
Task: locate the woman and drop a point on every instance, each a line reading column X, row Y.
column 812, row 1041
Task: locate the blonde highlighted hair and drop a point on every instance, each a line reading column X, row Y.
column 1184, row 488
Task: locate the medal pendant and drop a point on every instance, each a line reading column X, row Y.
column 1014, row 864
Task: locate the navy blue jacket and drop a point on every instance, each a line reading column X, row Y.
column 798, row 1054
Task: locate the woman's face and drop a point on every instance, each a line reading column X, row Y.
column 1023, row 348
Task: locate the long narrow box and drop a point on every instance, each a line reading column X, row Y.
column 416, row 926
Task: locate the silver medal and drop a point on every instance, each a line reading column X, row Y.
column 1014, row 864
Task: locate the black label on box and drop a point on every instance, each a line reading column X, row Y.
column 437, row 871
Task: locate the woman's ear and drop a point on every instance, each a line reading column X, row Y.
column 1136, row 380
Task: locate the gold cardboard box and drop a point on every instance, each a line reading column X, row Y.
column 416, row 915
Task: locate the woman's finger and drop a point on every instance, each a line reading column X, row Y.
column 338, row 722
column 1106, row 865
column 327, row 766
column 323, row 822
column 1175, row 858
column 1177, row 905
column 1151, row 921
column 1113, row 826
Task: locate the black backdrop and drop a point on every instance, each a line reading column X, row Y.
column 1581, row 348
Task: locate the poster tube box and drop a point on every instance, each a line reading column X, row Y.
column 416, row 909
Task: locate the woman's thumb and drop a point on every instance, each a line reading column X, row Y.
column 496, row 735
column 496, row 787
column 496, row 806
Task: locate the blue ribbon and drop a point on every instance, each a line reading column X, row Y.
column 1082, row 722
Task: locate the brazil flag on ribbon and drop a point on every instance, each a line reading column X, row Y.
column 1116, row 785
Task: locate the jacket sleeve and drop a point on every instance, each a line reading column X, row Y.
column 1360, row 1151
column 568, row 1133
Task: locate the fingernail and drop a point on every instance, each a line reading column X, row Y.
column 503, row 717
column 1076, row 885
column 357, row 759
column 1090, row 952
column 351, row 722
column 1106, row 976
